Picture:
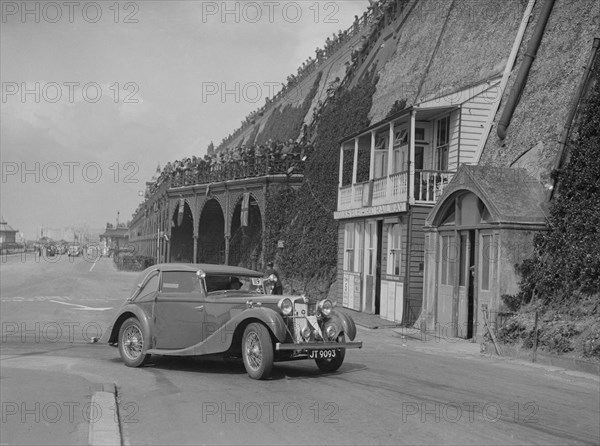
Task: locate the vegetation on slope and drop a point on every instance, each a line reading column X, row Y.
column 286, row 121
column 562, row 280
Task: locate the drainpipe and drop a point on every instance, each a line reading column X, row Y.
column 574, row 106
column 530, row 53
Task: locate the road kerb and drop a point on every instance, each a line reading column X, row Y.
column 105, row 430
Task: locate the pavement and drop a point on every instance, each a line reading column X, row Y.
column 86, row 416
column 432, row 342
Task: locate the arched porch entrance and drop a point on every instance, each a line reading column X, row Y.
column 182, row 233
column 245, row 244
column 211, row 234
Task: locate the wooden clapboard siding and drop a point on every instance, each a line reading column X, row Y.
column 453, row 149
column 474, row 114
column 417, row 261
column 340, row 264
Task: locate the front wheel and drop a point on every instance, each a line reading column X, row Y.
column 131, row 343
column 257, row 351
column 332, row 364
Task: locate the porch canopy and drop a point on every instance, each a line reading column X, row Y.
column 509, row 195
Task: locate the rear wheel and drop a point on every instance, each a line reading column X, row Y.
column 131, row 343
column 332, row 364
column 257, row 351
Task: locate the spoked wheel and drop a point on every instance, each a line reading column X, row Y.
column 131, row 343
column 257, row 351
column 332, row 364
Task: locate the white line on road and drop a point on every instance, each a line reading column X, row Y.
column 93, row 265
column 82, row 307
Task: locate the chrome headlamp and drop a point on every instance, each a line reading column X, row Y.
column 325, row 307
column 286, row 306
column 331, row 331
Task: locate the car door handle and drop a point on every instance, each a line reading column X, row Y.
column 200, row 308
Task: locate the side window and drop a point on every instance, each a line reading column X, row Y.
column 180, row 282
column 217, row 283
column 150, row 287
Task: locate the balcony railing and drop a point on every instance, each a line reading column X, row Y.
column 429, row 184
column 427, row 188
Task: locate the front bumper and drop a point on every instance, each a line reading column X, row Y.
column 317, row 345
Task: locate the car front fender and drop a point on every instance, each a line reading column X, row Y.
column 111, row 335
column 346, row 322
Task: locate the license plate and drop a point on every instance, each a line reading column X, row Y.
column 321, row 354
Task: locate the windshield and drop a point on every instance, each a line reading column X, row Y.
column 244, row 284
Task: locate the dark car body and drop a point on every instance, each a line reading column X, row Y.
column 199, row 309
column 74, row 250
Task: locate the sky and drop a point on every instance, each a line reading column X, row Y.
column 96, row 94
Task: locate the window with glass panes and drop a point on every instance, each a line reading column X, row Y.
column 448, row 259
column 486, row 260
column 442, row 142
column 371, row 234
column 381, row 153
column 360, row 248
column 349, row 247
column 394, row 249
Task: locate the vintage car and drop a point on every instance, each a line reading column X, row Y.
column 75, row 250
column 183, row 309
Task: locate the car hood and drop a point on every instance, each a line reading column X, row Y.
column 244, row 297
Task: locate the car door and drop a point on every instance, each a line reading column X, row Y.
column 179, row 311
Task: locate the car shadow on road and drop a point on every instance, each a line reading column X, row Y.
column 302, row 369
column 306, row 369
column 204, row 364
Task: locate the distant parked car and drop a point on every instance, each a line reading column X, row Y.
column 200, row 309
column 75, row 250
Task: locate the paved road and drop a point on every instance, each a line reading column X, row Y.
column 392, row 391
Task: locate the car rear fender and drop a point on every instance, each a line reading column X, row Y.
column 344, row 321
column 112, row 333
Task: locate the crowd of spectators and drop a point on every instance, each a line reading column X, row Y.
column 242, row 162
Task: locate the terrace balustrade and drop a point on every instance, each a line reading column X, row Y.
column 427, row 188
